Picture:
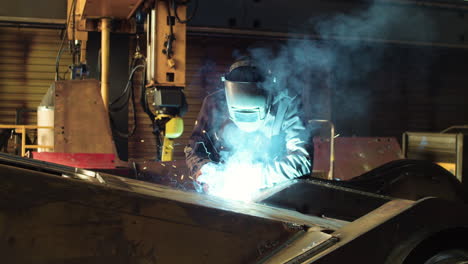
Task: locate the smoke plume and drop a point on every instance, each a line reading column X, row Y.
column 329, row 72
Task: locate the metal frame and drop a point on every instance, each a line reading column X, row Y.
column 459, row 138
column 22, row 130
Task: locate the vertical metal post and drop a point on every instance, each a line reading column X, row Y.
column 83, row 52
column 23, row 141
column 151, row 46
column 459, row 162
column 105, row 58
column 331, row 173
column 332, row 146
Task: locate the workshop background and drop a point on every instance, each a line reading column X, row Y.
column 417, row 83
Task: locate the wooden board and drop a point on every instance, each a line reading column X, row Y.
column 81, row 123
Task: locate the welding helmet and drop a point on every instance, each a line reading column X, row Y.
column 248, row 99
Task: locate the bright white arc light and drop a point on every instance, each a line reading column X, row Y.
column 235, row 180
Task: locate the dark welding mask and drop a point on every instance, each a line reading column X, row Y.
column 248, row 101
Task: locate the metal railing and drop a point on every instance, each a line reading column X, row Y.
column 21, row 129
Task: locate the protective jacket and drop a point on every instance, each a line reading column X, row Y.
column 280, row 143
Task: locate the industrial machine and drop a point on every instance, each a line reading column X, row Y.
column 166, row 42
column 163, row 65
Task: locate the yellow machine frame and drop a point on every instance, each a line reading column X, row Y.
column 165, row 70
column 162, row 70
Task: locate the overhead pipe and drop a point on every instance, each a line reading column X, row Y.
column 275, row 35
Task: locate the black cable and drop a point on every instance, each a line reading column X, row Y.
column 127, row 87
column 59, row 54
column 65, row 73
column 190, row 17
column 130, row 95
column 170, row 38
column 126, row 91
column 133, row 98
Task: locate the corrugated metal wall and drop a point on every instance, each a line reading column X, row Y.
column 27, row 69
column 419, row 89
column 413, row 88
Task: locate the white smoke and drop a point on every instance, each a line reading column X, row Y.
column 300, row 66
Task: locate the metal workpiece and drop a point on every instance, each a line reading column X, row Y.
column 396, row 231
column 63, row 218
column 400, row 232
column 323, row 198
column 59, row 214
column 302, row 247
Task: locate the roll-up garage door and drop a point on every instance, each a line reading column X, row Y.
column 27, row 69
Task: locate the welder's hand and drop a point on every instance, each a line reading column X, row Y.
column 199, row 186
column 207, row 176
column 196, row 175
column 208, row 173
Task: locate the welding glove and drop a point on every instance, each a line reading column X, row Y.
column 208, row 176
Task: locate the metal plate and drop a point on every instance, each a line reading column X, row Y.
column 103, row 218
column 355, row 155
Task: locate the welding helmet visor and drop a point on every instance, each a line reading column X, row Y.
column 247, row 100
column 247, row 104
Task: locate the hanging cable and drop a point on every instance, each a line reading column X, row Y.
column 127, row 87
column 129, row 98
column 170, row 38
column 175, row 5
column 59, row 53
column 144, row 99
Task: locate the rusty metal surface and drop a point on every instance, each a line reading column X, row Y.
column 109, row 8
column 81, row 123
column 94, row 218
column 355, row 155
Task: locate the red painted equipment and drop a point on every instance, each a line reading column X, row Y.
column 354, row 155
column 79, row 160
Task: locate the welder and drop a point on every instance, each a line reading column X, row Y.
column 251, row 120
